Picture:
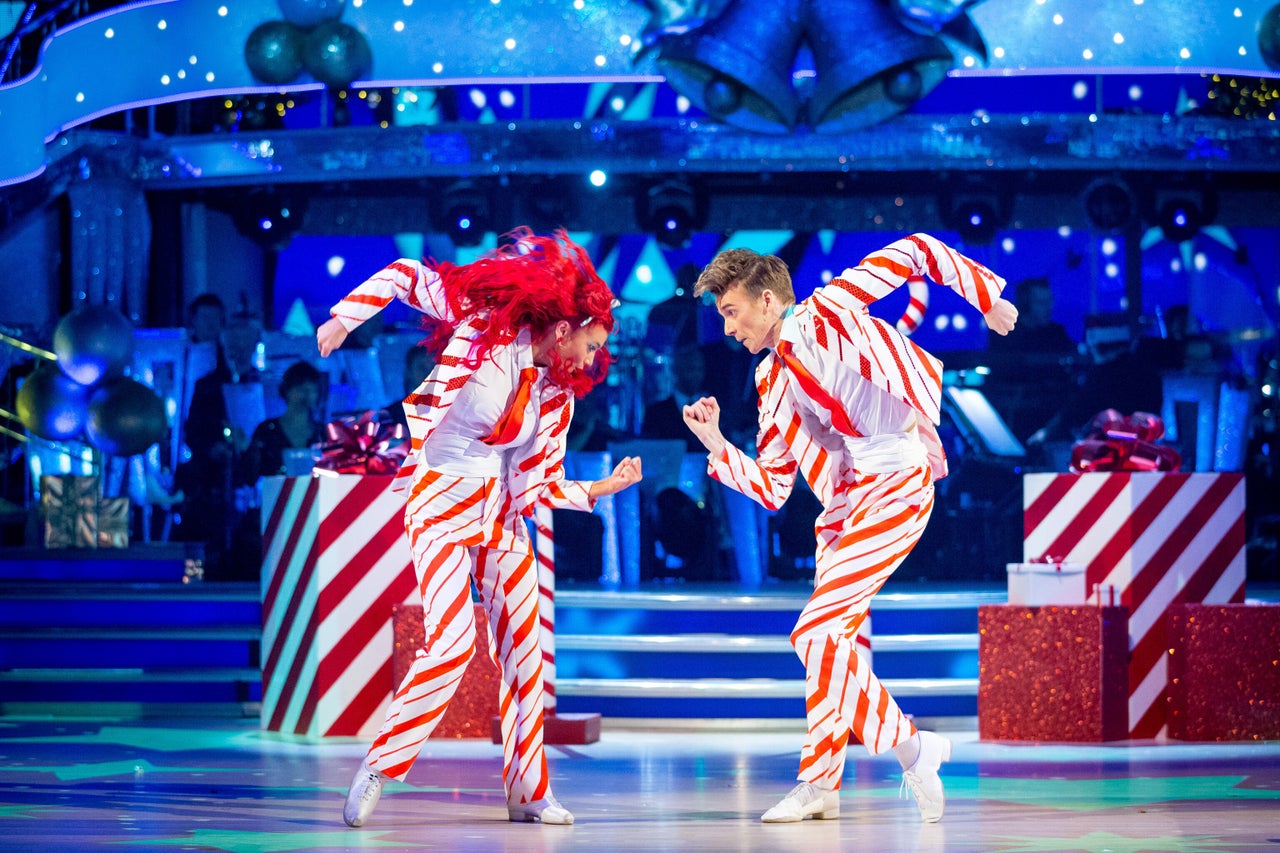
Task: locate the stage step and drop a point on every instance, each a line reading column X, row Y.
column 131, row 648
column 146, row 647
column 702, row 653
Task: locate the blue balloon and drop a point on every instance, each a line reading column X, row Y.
column 93, row 343
column 125, row 418
column 337, row 54
column 273, row 52
column 311, row 13
column 51, row 405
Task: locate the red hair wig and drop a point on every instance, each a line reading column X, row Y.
column 529, row 282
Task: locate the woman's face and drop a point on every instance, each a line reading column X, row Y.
column 579, row 347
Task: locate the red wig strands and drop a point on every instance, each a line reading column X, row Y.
column 531, row 282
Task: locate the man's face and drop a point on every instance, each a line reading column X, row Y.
column 751, row 321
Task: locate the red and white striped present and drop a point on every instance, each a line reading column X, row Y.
column 1152, row 540
column 336, row 560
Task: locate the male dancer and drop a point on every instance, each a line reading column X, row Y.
column 850, row 404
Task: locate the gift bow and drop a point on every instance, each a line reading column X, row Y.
column 363, row 446
column 1119, row 442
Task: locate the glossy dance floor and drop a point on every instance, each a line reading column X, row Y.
column 224, row 785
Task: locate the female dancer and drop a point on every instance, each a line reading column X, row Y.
column 516, row 335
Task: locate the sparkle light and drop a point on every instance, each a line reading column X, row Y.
column 644, row 273
column 1080, row 90
column 959, row 322
column 162, row 25
column 437, row 67
column 1185, row 53
column 110, row 33
column 164, row 79
column 509, row 44
column 600, row 61
column 334, row 266
column 1087, row 54
column 998, row 53
column 941, row 321
column 209, row 77
column 506, row 98
column 222, row 11
column 1057, row 19
column 1064, row 231
column 1118, row 38
column 1201, row 261
column 182, row 74
column 1112, row 270
column 1008, row 245
column 1135, row 92
column 398, row 26
column 79, row 97
column 597, row 177
column 1109, row 247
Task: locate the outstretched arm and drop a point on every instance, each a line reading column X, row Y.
column 409, row 281
column 881, row 272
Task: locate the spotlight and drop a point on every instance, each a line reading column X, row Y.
column 269, row 217
column 1180, row 219
column 1109, row 205
column 465, row 214
column 670, row 211
column 975, row 218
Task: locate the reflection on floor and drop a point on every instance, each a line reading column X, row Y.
column 224, row 785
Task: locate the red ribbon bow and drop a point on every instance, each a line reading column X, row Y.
column 363, row 446
column 1119, row 442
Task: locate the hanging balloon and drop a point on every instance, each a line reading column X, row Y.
column 93, row 343
column 337, row 54
column 1269, row 37
column 125, row 418
column 310, row 13
column 273, row 52
column 51, row 405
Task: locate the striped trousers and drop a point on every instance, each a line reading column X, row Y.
column 461, row 530
column 863, row 536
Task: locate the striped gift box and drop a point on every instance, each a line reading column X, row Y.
column 335, row 562
column 1151, row 540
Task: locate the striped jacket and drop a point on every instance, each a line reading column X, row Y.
column 835, row 325
column 535, row 474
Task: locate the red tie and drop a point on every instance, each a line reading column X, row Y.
column 839, row 417
column 508, row 426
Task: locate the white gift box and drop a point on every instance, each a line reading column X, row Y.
column 1036, row 584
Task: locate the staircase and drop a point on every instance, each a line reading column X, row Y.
column 717, row 655
column 117, row 633
column 121, row 634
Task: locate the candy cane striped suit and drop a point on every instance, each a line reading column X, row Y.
column 873, row 512
column 466, row 528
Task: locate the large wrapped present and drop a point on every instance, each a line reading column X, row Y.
column 77, row 516
column 336, row 561
column 1224, row 672
column 1147, row 541
column 1052, row 673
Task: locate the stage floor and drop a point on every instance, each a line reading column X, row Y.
column 226, row 786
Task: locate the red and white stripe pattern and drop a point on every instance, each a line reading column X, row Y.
column 917, row 305
column 863, row 536
column 544, row 545
column 335, row 562
column 1157, row 539
column 463, row 529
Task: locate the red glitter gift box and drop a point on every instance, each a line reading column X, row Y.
column 475, row 704
column 1147, row 541
column 1224, row 672
column 1054, row 673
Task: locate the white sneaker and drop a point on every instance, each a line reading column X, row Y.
column 362, row 796
column 547, row 810
column 922, row 777
column 805, row 800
